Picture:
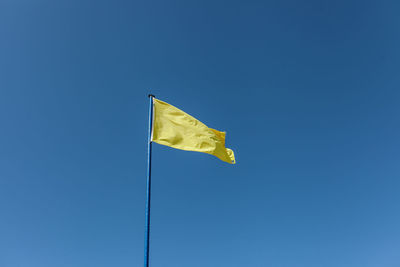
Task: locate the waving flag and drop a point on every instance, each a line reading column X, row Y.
column 175, row 128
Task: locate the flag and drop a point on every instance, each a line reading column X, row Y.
column 174, row 128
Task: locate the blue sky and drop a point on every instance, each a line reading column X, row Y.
column 308, row 92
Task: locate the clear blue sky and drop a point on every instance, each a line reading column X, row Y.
column 308, row 92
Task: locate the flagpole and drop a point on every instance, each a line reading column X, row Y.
column 148, row 187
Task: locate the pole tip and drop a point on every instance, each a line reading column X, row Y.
column 150, row 95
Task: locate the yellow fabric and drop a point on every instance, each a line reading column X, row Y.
column 175, row 128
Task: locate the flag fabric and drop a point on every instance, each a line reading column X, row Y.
column 174, row 128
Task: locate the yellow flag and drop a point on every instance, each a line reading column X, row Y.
column 175, row 128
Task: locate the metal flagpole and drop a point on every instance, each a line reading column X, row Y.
column 148, row 188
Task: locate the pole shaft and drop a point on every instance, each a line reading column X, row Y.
column 148, row 188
